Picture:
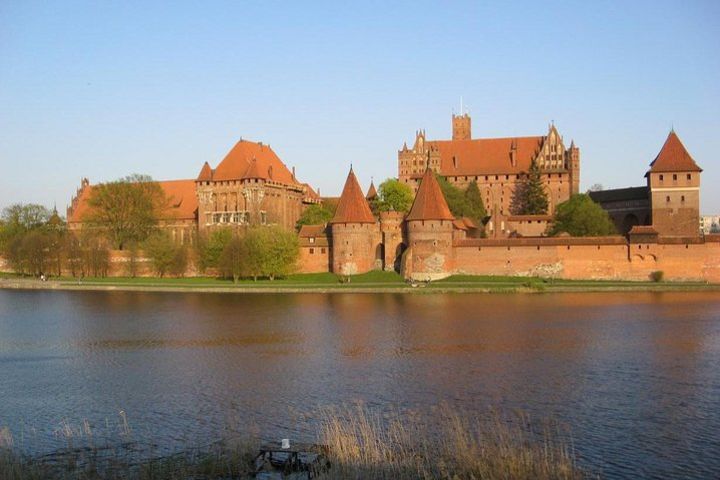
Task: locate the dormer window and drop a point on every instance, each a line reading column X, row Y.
column 312, row 239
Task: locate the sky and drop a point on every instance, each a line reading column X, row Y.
column 106, row 89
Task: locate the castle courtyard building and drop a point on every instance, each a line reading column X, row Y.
column 498, row 165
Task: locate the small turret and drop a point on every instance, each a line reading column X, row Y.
column 430, row 232
column 674, row 184
column 355, row 232
column 461, row 127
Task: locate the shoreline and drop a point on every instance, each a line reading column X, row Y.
column 530, row 286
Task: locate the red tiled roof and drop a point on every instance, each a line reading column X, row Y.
column 312, row 231
column 206, row 173
column 181, row 197
column 352, row 207
column 310, row 194
column 371, row 193
column 238, row 164
column 673, row 157
column 429, row 203
column 486, row 155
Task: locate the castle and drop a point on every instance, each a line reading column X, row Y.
column 498, row 165
column 429, row 243
column 252, row 186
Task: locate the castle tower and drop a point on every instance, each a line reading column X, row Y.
column 461, row 127
column 429, row 231
column 355, row 232
column 573, row 160
column 674, row 185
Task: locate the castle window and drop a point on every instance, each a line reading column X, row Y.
column 674, row 176
column 312, row 239
column 322, row 250
column 661, row 177
column 667, row 199
column 312, row 251
column 689, row 176
column 486, row 178
column 682, row 199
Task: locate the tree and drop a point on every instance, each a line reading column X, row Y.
column 454, row 197
column 127, row 209
column 161, row 250
column 530, row 197
column 210, row 248
column 466, row 203
column 394, row 196
column 581, row 217
column 263, row 251
column 282, row 253
column 316, row 214
column 232, row 259
column 474, row 206
column 20, row 218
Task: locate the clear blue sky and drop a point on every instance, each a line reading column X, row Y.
column 105, row 89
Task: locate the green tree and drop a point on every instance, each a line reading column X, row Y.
column 232, row 259
column 19, row 219
column 210, row 248
column 283, row 251
column 474, row 206
column 161, row 250
column 394, row 196
column 454, row 197
column 530, row 197
column 127, row 209
column 316, row 214
column 581, row 217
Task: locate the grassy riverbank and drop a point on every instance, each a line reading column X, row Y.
column 372, row 282
column 361, row 444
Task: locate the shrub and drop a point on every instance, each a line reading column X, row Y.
column 657, row 276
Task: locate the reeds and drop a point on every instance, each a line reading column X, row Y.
column 443, row 444
column 362, row 443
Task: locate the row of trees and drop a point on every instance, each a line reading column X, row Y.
column 35, row 241
column 263, row 251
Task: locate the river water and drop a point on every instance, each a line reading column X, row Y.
column 635, row 377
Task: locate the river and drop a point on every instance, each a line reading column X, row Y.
column 635, row 377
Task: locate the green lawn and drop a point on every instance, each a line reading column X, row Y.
column 375, row 278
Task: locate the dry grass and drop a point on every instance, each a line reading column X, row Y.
column 362, row 444
column 444, row 445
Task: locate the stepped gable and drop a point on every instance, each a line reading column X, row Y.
column 205, row 174
column 238, row 164
column 352, row 206
column 673, row 157
column 487, row 155
column 429, row 203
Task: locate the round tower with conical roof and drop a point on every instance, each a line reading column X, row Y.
column 356, row 241
column 430, row 230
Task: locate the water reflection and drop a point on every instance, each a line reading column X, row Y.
column 635, row 376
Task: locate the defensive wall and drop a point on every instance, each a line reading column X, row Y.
column 597, row 258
